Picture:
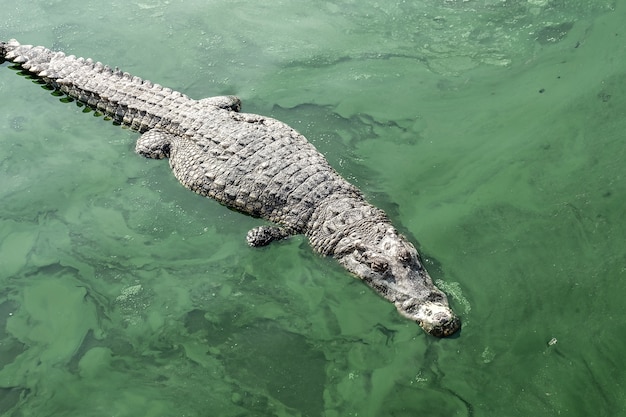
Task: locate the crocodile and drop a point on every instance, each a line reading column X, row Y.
column 256, row 165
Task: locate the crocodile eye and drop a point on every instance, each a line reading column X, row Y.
column 378, row 265
column 404, row 255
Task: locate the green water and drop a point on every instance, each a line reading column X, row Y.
column 491, row 131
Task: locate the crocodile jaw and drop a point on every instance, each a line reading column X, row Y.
column 437, row 319
column 391, row 266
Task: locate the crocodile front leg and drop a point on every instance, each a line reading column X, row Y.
column 232, row 103
column 264, row 235
column 155, row 144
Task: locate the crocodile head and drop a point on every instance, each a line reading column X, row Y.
column 390, row 264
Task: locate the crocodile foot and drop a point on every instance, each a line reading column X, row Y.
column 154, row 144
column 232, row 103
column 264, row 235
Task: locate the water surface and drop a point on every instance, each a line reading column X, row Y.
column 492, row 133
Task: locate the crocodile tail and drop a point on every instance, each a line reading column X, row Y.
column 7, row 50
column 5, row 47
column 34, row 59
column 115, row 93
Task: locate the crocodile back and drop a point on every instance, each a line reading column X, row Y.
column 254, row 164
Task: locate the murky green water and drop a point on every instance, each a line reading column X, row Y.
column 491, row 131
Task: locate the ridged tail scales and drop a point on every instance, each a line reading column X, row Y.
column 126, row 99
column 257, row 165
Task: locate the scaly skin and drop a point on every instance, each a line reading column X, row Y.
column 256, row 165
